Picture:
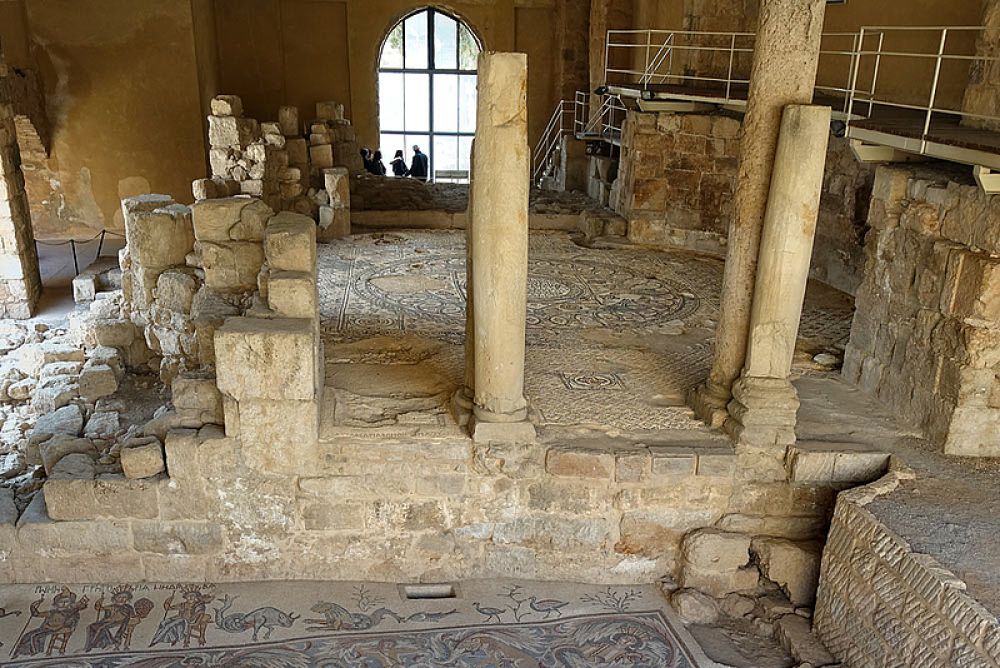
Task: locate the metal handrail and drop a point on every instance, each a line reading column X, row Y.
column 555, row 130
column 872, row 99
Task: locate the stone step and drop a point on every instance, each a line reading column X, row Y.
column 824, row 461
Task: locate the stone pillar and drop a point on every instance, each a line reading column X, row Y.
column 20, row 282
column 762, row 412
column 464, row 398
column 785, row 59
column 500, row 249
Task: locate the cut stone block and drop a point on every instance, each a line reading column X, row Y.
column 29, row 359
column 157, row 238
column 232, row 266
column 227, row 105
column 272, row 442
column 84, row 288
column 102, row 424
column 198, row 398
column 321, row 156
column 329, row 110
column 288, row 121
column 53, row 393
column 66, row 420
column 74, row 465
column 97, row 381
column 292, row 294
column 580, row 462
column 61, row 445
column 175, row 290
column 143, row 461
column 251, row 353
column 230, row 219
column 290, row 243
column 792, row 566
column 711, row 549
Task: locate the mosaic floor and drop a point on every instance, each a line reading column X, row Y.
column 615, row 336
column 300, row 624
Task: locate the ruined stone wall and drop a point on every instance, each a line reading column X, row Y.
column 20, row 283
column 677, row 177
column 838, row 250
column 927, row 324
column 881, row 603
column 982, row 96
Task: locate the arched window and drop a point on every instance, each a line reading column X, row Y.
column 427, row 89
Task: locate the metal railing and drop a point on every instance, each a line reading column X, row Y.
column 606, row 122
column 948, row 54
column 716, row 60
column 561, row 123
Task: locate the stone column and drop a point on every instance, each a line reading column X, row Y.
column 464, row 398
column 500, row 249
column 762, row 412
column 20, row 283
column 785, row 59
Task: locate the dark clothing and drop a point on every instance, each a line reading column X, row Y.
column 378, row 167
column 419, row 166
column 371, row 166
column 399, row 167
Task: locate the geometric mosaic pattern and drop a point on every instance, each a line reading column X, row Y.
column 615, row 336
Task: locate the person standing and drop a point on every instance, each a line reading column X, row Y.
column 398, row 165
column 420, row 166
column 378, row 167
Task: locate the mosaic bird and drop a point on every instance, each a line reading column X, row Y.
column 491, row 613
column 547, row 606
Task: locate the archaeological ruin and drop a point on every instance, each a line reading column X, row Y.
column 500, row 333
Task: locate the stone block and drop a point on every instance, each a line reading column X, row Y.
column 31, row 358
column 719, row 583
column 232, row 266
column 714, row 550
column 292, row 294
column 230, row 219
column 279, row 435
column 337, row 182
column 321, row 156
column 579, row 462
column 252, row 353
column 60, row 445
column 197, row 398
column 694, row 607
column 502, row 432
column 329, row 111
column 334, row 223
column 143, row 461
column 84, row 288
column 333, row 516
column 157, row 237
column 227, row 105
column 177, row 538
column 673, row 461
column 298, row 152
column 102, row 424
column 223, row 132
column 39, row 535
column 96, row 381
column 290, row 243
column 66, row 420
column 70, row 499
column 632, row 465
column 175, row 290
column 792, row 566
column 119, row 497
column 288, row 121
column 53, row 393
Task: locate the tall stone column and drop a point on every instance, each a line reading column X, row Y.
column 464, row 398
column 762, row 412
column 500, row 249
column 785, row 59
column 20, row 282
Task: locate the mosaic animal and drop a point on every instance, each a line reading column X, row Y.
column 547, row 606
column 491, row 613
column 419, row 617
column 337, row 618
column 264, row 619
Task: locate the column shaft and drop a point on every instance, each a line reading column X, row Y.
column 764, row 405
column 500, row 247
column 785, row 59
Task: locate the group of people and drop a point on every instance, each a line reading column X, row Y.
column 418, row 169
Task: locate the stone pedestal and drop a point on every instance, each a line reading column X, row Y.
column 785, row 59
column 499, row 225
column 762, row 412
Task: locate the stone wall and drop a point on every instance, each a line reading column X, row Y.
column 20, row 283
column 880, row 603
column 927, row 324
column 838, row 250
column 677, row 178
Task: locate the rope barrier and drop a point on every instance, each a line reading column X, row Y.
column 73, row 242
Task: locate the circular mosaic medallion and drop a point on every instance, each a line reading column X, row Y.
column 563, row 292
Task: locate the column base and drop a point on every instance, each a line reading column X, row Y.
column 762, row 412
column 461, row 406
column 709, row 404
column 488, row 427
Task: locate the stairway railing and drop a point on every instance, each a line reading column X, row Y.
column 560, row 124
